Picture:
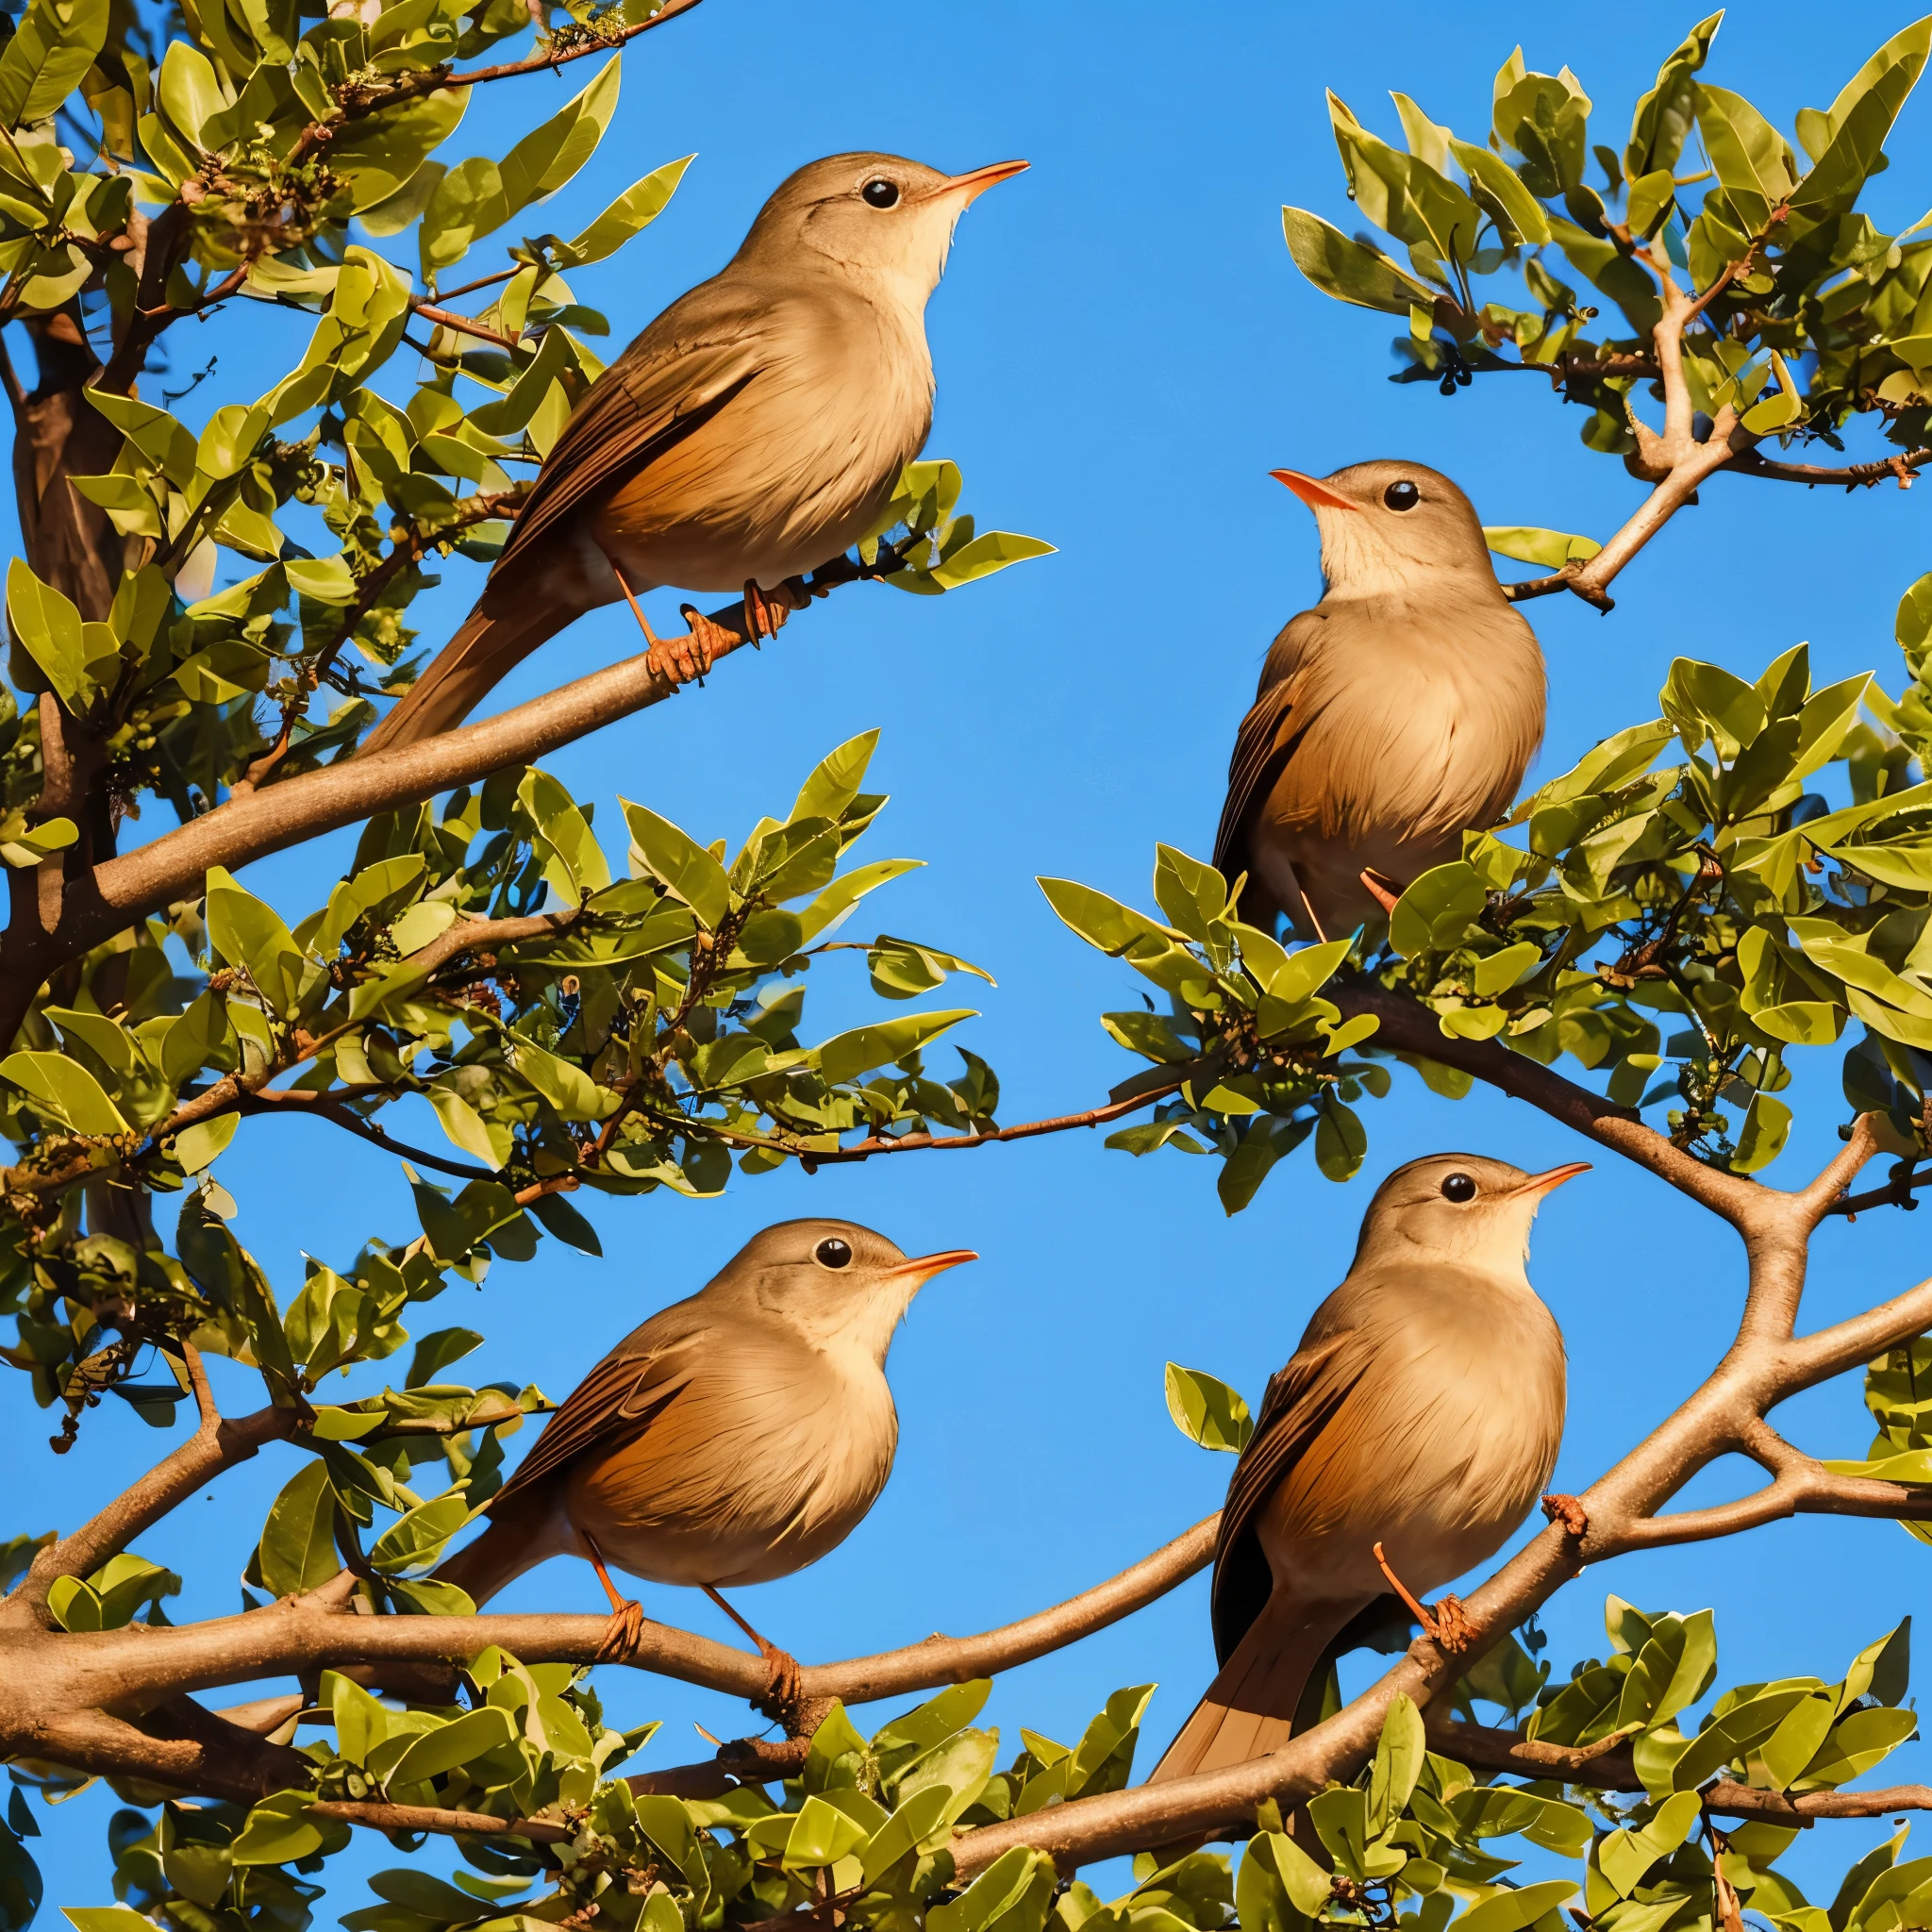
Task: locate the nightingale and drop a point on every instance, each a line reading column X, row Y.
column 1397, row 714
column 755, row 429
column 1406, row 1439
column 734, row 1438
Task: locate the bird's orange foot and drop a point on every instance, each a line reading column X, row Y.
column 685, row 661
column 1384, row 891
column 621, row 1637
column 784, row 1691
column 1448, row 1626
column 765, row 610
column 1568, row 1513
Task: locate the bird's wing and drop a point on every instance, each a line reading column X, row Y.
column 617, row 1400
column 1301, row 1400
column 1263, row 745
column 685, row 367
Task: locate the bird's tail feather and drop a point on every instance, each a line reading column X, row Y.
column 527, row 1530
column 490, row 645
column 1250, row 1708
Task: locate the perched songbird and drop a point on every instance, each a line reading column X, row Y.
column 1415, row 1426
column 1397, row 714
column 734, row 1438
column 757, row 428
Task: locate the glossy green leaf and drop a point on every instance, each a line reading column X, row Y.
column 1208, row 1411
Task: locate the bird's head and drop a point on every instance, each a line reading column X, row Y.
column 880, row 218
column 1392, row 527
column 835, row 1283
column 1458, row 1208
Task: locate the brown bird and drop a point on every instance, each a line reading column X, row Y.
column 1409, row 1435
column 734, row 1438
column 754, row 430
column 1397, row 714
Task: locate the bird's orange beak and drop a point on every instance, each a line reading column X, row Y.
column 971, row 185
column 1315, row 495
column 921, row 1267
column 1541, row 1183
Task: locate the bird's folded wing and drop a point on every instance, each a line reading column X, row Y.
column 1261, row 747
column 1301, row 1400
column 616, row 1401
column 1266, row 740
column 676, row 376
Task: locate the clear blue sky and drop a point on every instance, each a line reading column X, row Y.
column 1124, row 351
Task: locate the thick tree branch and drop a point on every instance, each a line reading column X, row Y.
column 1725, row 1414
column 302, row 807
column 300, row 1636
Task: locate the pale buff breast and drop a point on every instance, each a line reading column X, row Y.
column 1438, row 1451
column 751, row 1473
column 795, row 469
column 1410, row 734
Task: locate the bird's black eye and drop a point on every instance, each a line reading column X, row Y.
column 1402, row 495
column 1457, row 1188
column 880, row 194
column 833, row 1253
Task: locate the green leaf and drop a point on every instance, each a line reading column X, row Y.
column 1015, row 1881
column 51, row 50
column 564, row 1222
column 635, row 209
column 846, row 1056
column 1400, row 1754
column 915, row 1820
column 297, row 1551
column 1205, row 1411
column 1881, row 1670
column 279, row 1829
column 1623, row 1856
column 821, row 1834
column 416, row 1540
column 460, row 1742
column 247, row 931
column 565, row 1086
column 465, row 1127
column 197, row 1147
column 1553, row 549
column 991, row 550
column 1662, row 121
column 1435, row 910
column 1767, row 1127
column 63, row 1087
column 680, row 864
column 1857, row 125
column 1340, row 1141
column 1512, row 1910
column 1348, row 270
column 50, row 629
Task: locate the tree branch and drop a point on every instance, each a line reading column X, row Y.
column 299, row 1635
column 433, row 80
column 1408, row 1026
column 345, row 792
column 217, row 1444
column 1725, row 1413
column 1025, row 1130
column 1899, row 469
column 1609, row 1768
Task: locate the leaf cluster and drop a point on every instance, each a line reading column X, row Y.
column 1816, row 315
